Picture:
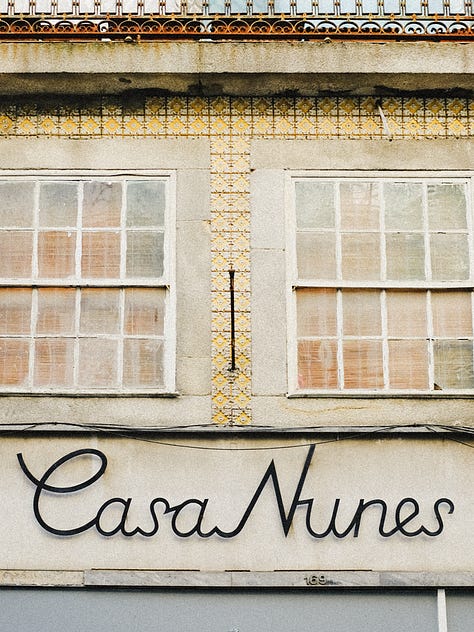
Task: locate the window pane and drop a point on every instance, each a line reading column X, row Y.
column 16, row 248
column 406, row 313
column 100, row 311
column 56, row 254
column 143, row 363
column 144, row 311
column 316, row 312
column 16, row 204
column 97, row 363
column 360, row 205
column 405, row 256
column 361, row 313
column 54, row 362
column 102, row 204
column 363, row 367
column 58, row 204
column 317, row 364
column 146, row 203
column 449, row 257
column 14, row 356
column 315, row 204
column 56, row 310
column 360, row 257
column 101, row 255
column 453, row 364
column 144, row 254
column 408, row 364
column 452, row 314
column 446, row 206
column 15, row 311
column 403, row 205
column 316, row 255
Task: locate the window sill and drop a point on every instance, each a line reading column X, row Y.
column 381, row 395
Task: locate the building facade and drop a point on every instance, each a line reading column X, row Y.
column 236, row 335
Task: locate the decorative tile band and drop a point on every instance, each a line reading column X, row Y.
column 230, row 124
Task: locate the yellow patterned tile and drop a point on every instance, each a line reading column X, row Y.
column 198, row 125
column 26, row 126
column 348, row 125
column 327, row 127
column 220, row 362
column 112, row 126
column 304, row 125
column 219, row 104
column 176, row 104
column 347, row 105
column 284, row 126
column 456, row 106
column 133, row 126
column 219, row 399
column 434, row 127
column 435, row 106
column 304, row 105
column 413, row 105
column 177, row 126
column 369, row 105
column 6, row 124
column 242, row 399
column 370, row 126
column 243, row 418
column 90, row 125
column 456, row 127
column 69, row 126
column 48, row 125
column 240, row 125
column 262, row 125
column 220, row 418
column 154, row 125
column 326, row 105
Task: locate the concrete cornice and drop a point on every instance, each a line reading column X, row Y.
column 236, row 68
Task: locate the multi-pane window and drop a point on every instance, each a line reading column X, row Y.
column 382, row 276
column 86, row 286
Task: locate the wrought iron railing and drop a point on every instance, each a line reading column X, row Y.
column 251, row 19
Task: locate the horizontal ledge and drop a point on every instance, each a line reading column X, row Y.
column 313, row 579
column 235, row 68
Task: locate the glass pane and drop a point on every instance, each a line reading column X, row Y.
column 100, row 311
column 449, row 257
column 452, row 314
column 146, row 203
column 56, row 310
column 317, row 364
column 97, row 363
column 144, row 311
column 316, row 255
column 102, row 204
column 16, row 204
column 453, row 364
column 406, row 313
column 408, row 364
column 101, row 255
column 143, row 363
column 58, row 204
column 361, row 313
column 403, row 206
column 15, row 311
column 316, row 312
column 314, row 204
column 360, row 257
column 405, row 256
column 56, row 254
column 16, row 249
column 54, row 362
column 14, row 356
column 360, row 205
column 363, row 366
column 145, row 254
column 446, row 206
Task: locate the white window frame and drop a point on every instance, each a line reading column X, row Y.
column 167, row 281
column 293, row 283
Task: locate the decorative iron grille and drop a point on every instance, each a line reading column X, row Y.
column 247, row 19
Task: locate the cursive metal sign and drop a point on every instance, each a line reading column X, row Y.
column 403, row 519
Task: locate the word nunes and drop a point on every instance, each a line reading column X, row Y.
column 405, row 513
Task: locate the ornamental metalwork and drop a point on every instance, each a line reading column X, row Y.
column 236, row 19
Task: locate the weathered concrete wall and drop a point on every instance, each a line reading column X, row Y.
column 236, row 68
